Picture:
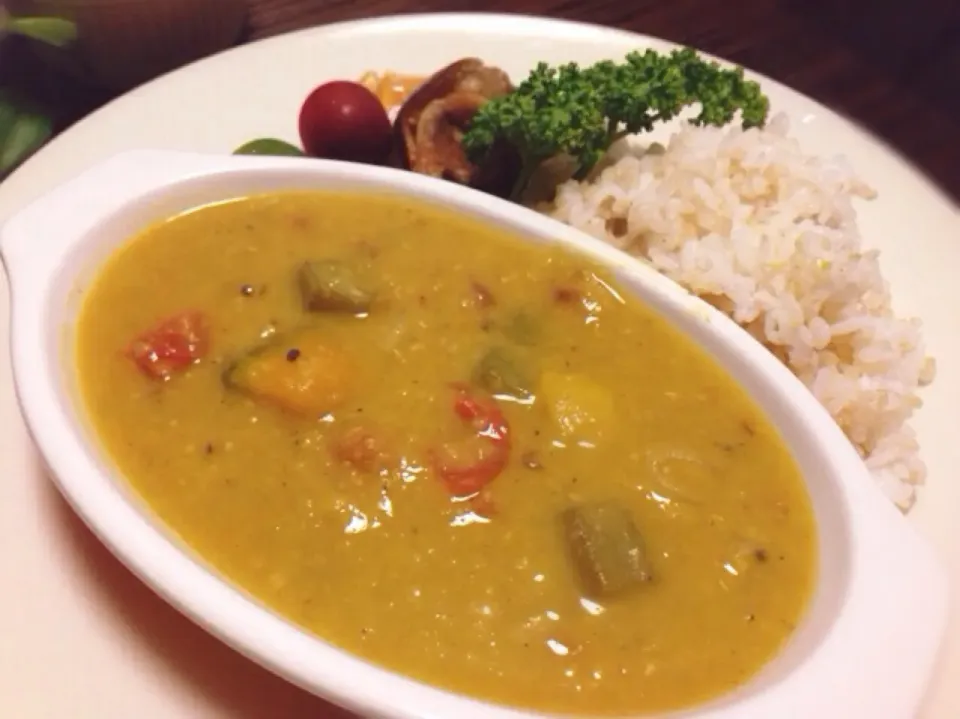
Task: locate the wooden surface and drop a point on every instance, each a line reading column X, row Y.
column 892, row 65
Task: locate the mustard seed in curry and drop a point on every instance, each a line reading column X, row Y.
column 463, row 456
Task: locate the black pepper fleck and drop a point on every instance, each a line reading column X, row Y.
column 208, row 448
column 761, row 554
column 293, row 354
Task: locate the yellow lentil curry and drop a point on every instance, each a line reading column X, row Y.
column 461, row 455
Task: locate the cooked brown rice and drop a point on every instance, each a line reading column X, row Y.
column 768, row 234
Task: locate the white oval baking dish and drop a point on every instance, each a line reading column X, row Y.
column 869, row 639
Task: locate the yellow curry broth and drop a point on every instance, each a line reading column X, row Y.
column 475, row 596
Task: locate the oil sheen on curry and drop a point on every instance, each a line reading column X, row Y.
column 461, row 455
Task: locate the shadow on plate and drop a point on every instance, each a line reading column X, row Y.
column 234, row 685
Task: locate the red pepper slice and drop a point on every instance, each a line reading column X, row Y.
column 171, row 346
column 467, row 467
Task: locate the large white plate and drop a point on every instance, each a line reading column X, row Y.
column 79, row 637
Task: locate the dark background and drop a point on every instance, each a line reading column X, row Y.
column 893, row 66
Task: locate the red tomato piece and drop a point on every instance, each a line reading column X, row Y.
column 171, row 346
column 467, row 467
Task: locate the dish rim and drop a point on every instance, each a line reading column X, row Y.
column 135, row 179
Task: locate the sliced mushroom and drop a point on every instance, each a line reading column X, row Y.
column 432, row 121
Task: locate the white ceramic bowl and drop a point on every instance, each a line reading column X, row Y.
column 864, row 649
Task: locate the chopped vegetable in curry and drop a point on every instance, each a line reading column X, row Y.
column 606, row 547
column 301, row 372
column 466, row 457
column 331, row 285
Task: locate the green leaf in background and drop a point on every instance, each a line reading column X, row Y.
column 23, row 128
column 51, row 30
column 22, row 131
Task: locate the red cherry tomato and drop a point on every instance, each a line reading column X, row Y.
column 343, row 120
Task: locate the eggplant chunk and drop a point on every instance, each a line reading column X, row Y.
column 298, row 372
column 331, row 286
column 501, row 374
column 606, row 548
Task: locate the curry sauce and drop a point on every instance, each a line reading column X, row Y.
column 469, row 458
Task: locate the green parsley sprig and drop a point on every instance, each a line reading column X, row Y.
column 580, row 112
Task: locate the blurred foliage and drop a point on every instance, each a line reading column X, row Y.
column 24, row 124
